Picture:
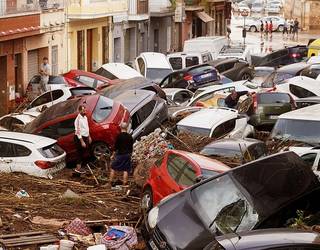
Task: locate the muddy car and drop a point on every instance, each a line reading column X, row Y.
column 261, row 194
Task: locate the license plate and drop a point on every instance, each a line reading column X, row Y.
column 274, row 116
column 59, row 166
column 205, row 75
column 153, row 245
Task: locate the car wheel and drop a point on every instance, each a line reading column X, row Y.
column 246, row 76
column 100, row 149
column 280, row 28
column 147, row 199
column 253, row 29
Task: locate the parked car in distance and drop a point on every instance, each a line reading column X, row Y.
column 233, row 68
column 243, row 7
column 115, row 71
column 191, row 78
column 217, row 123
column 267, row 239
column 264, row 108
column 312, row 71
column 76, row 78
column 55, row 82
column 181, row 60
column 17, row 121
column 274, row 9
column 213, row 44
column 147, row 110
column 133, row 83
column 241, row 52
column 281, row 57
column 153, row 66
column 257, row 7
column 300, row 125
column 176, row 171
column 52, row 97
column 104, row 118
column 245, row 150
column 30, row 154
column 232, row 203
column 300, row 87
column 177, row 96
column 308, row 101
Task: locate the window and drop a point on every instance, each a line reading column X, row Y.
column 257, row 150
column 102, row 109
column 271, row 98
column 59, row 129
column 224, row 128
column 146, row 110
column 135, row 121
column 228, row 66
column 300, row 92
column 46, row 98
column 309, row 158
column 51, row 151
column 191, row 61
column 13, row 150
column 142, row 66
column 206, row 58
column 88, row 81
column 20, row 151
column 82, row 91
column 182, row 97
column 102, row 72
column 188, row 176
column 176, row 62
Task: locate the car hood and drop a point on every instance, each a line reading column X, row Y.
column 293, row 68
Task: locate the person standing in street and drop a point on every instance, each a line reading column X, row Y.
column 82, row 137
column 291, row 26
column 266, row 29
column 45, row 71
column 270, row 28
column 228, row 32
column 261, row 28
column 121, row 159
column 295, row 29
column 285, row 29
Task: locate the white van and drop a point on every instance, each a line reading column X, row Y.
column 181, row 60
column 212, row 44
column 114, row 71
column 153, row 66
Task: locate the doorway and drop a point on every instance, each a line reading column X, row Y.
column 117, row 50
column 18, row 74
column 156, row 40
column 54, row 60
column 89, row 50
column 80, row 50
column 3, row 84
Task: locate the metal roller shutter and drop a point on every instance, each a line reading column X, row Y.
column 33, row 63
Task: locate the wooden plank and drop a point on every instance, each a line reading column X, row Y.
column 4, row 236
column 26, row 239
column 30, row 243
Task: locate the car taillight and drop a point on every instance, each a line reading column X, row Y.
column 188, row 77
column 44, row 164
column 199, row 104
column 255, row 103
column 295, row 55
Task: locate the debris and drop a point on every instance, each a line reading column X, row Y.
column 120, row 237
column 18, row 216
column 38, row 220
column 50, row 247
column 94, row 177
column 70, row 194
column 97, row 247
column 22, row 194
column 66, row 245
column 1, row 224
column 78, row 227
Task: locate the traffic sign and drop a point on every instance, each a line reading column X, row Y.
column 244, row 13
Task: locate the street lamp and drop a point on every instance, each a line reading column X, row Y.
column 244, row 14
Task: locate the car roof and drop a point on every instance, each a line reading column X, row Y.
column 26, row 139
column 310, row 113
column 87, row 73
column 304, row 82
column 293, row 68
column 155, row 60
column 25, row 117
column 269, row 237
column 121, row 70
column 186, row 53
column 205, row 162
column 208, row 118
column 311, row 98
column 134, row 97
column 233, row 143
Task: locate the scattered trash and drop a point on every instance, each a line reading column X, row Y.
column 97, row 247
column 50, row 247
column 1, row 224
column 120, row 237
column 22, row 194
column 18, row 216
column 38, row 220
column 78, row 227
column 70, row 194
column 66, row 245
column 117, row 188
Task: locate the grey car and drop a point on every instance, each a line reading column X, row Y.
column 146, row 108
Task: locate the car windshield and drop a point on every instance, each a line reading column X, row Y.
column 272, row 98
column 51, row 151
column 297, row 130
column 56, row 80
column 223, row 207
column 103, row 109
column 225, row 152
column 206, row 173
column 102, row 72
column 157, row 74
column 280, row 77
column 200, row 131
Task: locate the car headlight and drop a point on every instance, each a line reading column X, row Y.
column 153, row 217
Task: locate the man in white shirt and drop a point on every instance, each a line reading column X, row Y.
column 82, row 137
column 45, row 71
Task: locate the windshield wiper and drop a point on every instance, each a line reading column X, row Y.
column 104, row 108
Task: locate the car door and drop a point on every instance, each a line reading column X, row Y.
column 23, row 161
column 145, row 123
column 47, row 99
column 7, row 157
column 229, row 71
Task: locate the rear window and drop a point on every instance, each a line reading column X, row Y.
column 281, row 76
column 56, row 80
column 195, row 130
column 105, row 73
column 176, row 62
column 300, row 92
column 82, row 91
column 271, row 98
column 102, row 109
column 191, row 61
column 202, row 69
column 51, row 151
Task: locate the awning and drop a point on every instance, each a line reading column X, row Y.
column 204, row 16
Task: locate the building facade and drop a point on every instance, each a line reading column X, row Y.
column 29, row 31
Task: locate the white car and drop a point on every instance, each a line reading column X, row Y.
column 300, row 87
column 115, row 71
column 181, row 60
column 177, row 96
column 52, row 97
column 270, row 8
column 310, row 155
column 257, row 7
column 55, row 82
column 217, row 123
column 277, row 23
column 236, row 51
column 153, row 66
column 16, row 121
column 30, row 154
column 206, row 93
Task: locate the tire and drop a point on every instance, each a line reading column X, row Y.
column 253, row 29
column 147, row 199
column 100, row 148
column 246, row 76
column 280, row 28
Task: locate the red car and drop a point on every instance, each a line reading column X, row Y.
column 104, row 117
column 176, row 171
column 83, row 78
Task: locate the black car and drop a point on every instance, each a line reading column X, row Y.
column 312, row 71
column 233, row 68
column 281, row 57
column 147, row 110
column 133, row 83
column 191, row 78
column 261, row 194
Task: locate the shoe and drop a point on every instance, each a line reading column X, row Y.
column 79, row 171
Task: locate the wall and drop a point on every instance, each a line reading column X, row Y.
column 161, row 24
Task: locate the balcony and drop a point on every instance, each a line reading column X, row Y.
column 192, row 2
column 138, row 10
column 88, row 9
column 160, row 7
column 22, row 7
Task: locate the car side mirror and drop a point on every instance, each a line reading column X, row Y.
column 199, row 178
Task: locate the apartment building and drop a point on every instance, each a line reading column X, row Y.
column 29, row 30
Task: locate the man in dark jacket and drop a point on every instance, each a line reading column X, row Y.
column 122, row 156
column 231, row 100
